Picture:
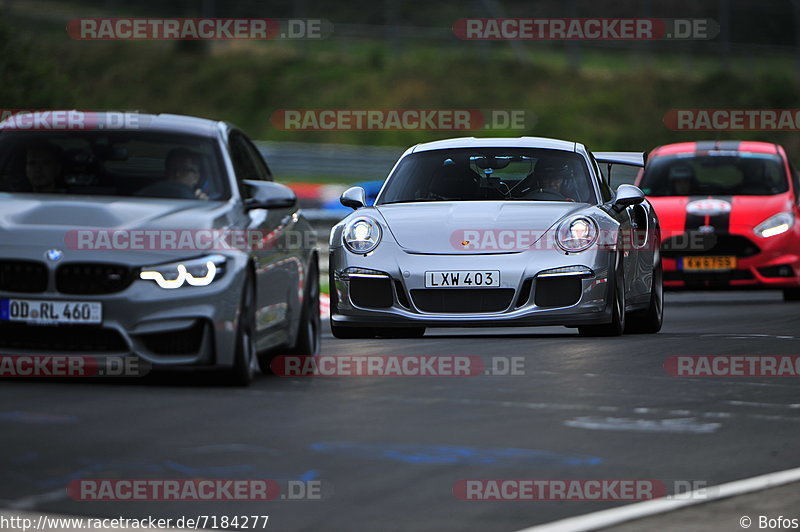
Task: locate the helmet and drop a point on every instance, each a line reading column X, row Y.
column 549, row 169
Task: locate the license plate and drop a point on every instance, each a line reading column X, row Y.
column 49, row 312
column 709, row 263
column 462, row 279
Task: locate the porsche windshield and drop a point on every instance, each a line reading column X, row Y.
column 122, row 163
column 490, row 174
column 745, row 174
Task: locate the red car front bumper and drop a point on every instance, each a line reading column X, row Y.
column 772, row 262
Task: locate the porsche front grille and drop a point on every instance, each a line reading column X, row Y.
column 462, row 300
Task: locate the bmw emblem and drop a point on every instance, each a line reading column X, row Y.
column 54, row 254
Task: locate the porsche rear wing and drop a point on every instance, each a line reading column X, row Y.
column 630, row 158
column 630, row 161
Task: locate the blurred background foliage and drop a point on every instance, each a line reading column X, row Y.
column 402, row 54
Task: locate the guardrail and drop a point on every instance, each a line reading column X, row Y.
column 348, row 162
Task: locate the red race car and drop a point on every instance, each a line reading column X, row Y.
column 728, row 212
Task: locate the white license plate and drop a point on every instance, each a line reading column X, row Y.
column 49, row 312
column 462, row 279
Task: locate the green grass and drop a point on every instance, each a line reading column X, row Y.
column 324, row 285
column 616, row 101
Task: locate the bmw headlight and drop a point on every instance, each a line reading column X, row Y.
column 361, row 235
column 576, row 234
column 775, row 225
column 194, row 272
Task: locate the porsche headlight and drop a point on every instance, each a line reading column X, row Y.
column 576, row 234
column 361, row 235
column 775, row 225
column 194, row 272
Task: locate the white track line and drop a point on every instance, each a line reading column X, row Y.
column 615, row 516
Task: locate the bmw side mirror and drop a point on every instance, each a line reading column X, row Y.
column 354, row 197
column 627, row 195
column 269, row 195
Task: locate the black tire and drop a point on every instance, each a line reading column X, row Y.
column 649, row 321
column 308, row 334
column 617, row 325
column 400, row 332
column 791, row 294
column 309, row 331
column 243, row 370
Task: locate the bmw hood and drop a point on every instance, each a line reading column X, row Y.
column 445, row 228
column 55, row 222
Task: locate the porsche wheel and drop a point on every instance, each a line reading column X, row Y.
column 617, row 325
column 649, row 321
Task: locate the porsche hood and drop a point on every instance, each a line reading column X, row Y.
column 446, row 228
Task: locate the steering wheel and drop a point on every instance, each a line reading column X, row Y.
column 167, row 188
column 548, row 194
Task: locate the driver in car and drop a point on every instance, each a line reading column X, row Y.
column 548, row 180
column 183, row 166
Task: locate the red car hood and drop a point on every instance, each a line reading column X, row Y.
column 745, row 213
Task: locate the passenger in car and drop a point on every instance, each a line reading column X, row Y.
column 43, row 168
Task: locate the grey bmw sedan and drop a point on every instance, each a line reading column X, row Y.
column 477, row 232
column 161, row 237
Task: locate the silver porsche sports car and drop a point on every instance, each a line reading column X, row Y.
column 161, row 237
column 476, row 232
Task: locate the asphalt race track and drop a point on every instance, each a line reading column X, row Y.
column 388, row 451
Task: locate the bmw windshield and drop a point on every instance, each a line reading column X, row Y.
column 122, row 163
column 490, row 174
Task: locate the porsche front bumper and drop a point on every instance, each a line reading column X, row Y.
column 387, row 289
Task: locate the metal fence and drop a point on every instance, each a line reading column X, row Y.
column 348, row 162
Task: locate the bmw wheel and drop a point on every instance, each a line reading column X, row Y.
column 244, row 362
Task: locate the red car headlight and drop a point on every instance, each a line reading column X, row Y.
column 775, row 225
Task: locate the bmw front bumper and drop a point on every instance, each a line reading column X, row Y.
column 191, row 326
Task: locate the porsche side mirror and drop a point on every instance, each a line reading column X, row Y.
column 627, row 195
column 354, row 197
